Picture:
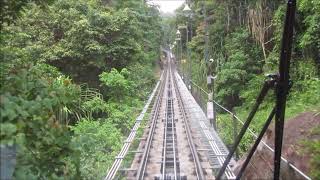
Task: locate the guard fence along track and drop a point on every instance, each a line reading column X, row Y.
column 118, row 160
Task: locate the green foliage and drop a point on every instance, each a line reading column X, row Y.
column 304, row 94
column 86, row 33
column 251, row 91
column 312, row 147
column 121, row 104
column 117, row 84
column 98, row 144
column 40, row 104
column 11, row 10
column 121, row 114
column 304, row 70
column 74, row 30
column 237, row 30
column 234, row 74
column 226, row 129
column 271, row 63
column 32, row 103
column 94, row 107
column 143, row 77
column 310, row 36
column 33, row 91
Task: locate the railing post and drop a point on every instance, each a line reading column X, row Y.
column 211, row 111
column 214, row 115
column 235, row 133
column 211, row 115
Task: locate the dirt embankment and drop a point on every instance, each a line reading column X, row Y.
column 297, row 130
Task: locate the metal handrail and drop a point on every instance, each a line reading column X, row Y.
column 118, row 159
column 199, row 87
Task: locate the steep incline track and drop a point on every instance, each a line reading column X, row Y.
column 169, row 151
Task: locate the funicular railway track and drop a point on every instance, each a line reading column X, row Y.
column 169, row 150
column 170, row 164
column 145, row 156
column 198, row 167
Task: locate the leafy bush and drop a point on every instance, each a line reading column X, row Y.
column 98, row 144
column 121, row 104
column 310, row 35
column 312, row 147
column 32, row 111
column 117, row 84
column 39, row 103
column 234, row 74
column 82, row 38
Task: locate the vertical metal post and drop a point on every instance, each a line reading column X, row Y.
column 206, row 35
column 235, row 133
column 183, row 76
column 178, row 56
column 210, row 79
column 211, row 108
column 214, row 106
column 188, row 58
column 283, row 84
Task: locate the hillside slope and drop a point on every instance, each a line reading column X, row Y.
column 300, row 148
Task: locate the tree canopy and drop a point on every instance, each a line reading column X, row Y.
column 69, row 70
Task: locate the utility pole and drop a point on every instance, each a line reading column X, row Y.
column 211, row 110
column 184, row 69
column 179, row 50
column 188, row 12
column 190, row 59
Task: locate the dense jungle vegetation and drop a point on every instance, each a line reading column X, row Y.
column 73, row 76
column 75, row 73
column 244, row 41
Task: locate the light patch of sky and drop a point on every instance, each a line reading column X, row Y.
column 167, row 6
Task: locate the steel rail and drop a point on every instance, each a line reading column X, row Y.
column 145, row 156
column 164, row 151
column 119, row 158
column 171, row 129
column 198, row 166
